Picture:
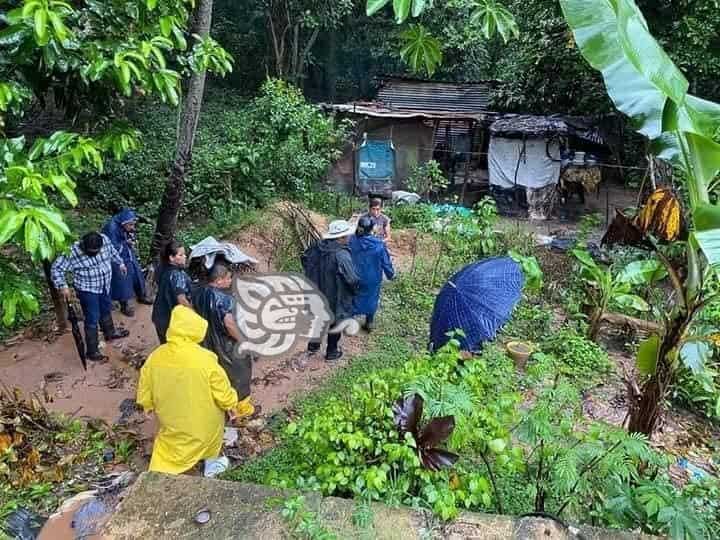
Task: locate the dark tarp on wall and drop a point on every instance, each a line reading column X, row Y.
column 376, row 167
column 411, row 138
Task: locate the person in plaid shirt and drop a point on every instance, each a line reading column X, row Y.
column 90, row 262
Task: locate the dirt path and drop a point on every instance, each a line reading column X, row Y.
column 52, row 370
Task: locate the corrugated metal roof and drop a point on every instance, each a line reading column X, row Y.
column 518, row 126
column 380, row 110
column 412, row 95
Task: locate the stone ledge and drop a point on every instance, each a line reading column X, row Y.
column 162, row 507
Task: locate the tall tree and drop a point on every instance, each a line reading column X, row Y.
column 73, row 67
column 187, row 127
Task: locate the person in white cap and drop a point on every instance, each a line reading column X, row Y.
column 328, row 264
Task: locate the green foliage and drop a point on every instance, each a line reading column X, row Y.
column 291, row 142
column 426, row 178
column 18, row 295
column 570, row 471
column 351, row 445
column 304, row 525
column 494, row 18
column 529, row 321
column 661, row 508
column 531, row 270
column 245, row 154
column 420, row 50
column 418, row 216
column 569, row 354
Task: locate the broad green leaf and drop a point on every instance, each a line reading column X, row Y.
column 497, row 445
column 11, row 221
column 401, row 9
column 421, row 51
column 41, row 26
column 706, row 217
column 641, row 272
column 418, row 6
column 584, row 257
column 151, row 4
column 704, row 156
column 694, row 355
column 32, row 238
column 12, row 35
column 647, row 355
column 709, row 242
column 493, row 17
column 646, row 55
column 9, row 306
column 166, row 24
column 630, row 301
column 59, row 28
column 373, row 6
column 595, row 26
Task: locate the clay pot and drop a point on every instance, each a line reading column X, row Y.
column 519, row 351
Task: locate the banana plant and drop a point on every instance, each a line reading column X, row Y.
column 607, row 291
column 648, row 87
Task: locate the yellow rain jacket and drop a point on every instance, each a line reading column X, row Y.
column 189, row 392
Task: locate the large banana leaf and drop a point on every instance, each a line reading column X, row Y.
column 644, row 84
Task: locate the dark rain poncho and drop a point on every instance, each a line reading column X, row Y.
column 172, row 283
column 124, row 287
column 329, row 266
column 213, row 305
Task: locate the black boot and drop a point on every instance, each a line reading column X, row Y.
column 92, row 350
column 126, row 309
column 109, row 330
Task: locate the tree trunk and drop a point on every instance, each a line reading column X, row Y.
column 58, row 304
column 187, row 126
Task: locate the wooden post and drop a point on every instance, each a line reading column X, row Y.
column 467, row 162
column 58, row 304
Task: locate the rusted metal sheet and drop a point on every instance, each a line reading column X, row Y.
column 458, row 98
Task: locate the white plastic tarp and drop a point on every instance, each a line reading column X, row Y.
column 535, row 168
column 209, row 248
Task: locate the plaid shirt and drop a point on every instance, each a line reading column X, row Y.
column 90, row 274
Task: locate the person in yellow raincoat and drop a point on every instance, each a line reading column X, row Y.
column 189, row 392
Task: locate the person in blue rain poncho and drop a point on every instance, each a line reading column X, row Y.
column 371, row 259
column 124, row 287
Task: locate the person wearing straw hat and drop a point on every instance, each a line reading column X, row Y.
column 328, row 264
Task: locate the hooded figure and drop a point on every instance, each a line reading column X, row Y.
column 123, row 288
column 328, row 264
column 371, row 259
column 189, row 392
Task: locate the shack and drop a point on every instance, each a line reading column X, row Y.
column 412, row 121
column 540, row 160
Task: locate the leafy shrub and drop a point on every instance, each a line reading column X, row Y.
column 416, row 216
column 658, row 507
column 352, row 448
column 569, row 471
column 426, row 178
column 529, row 321
column 245, row 154
column 568, row 353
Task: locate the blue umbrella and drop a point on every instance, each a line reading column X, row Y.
column 477, row 300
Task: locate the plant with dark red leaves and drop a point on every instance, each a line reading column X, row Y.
column 407, row 414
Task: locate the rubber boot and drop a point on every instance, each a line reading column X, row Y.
column 109, row 330
column 92, row 350
column 127, row 309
